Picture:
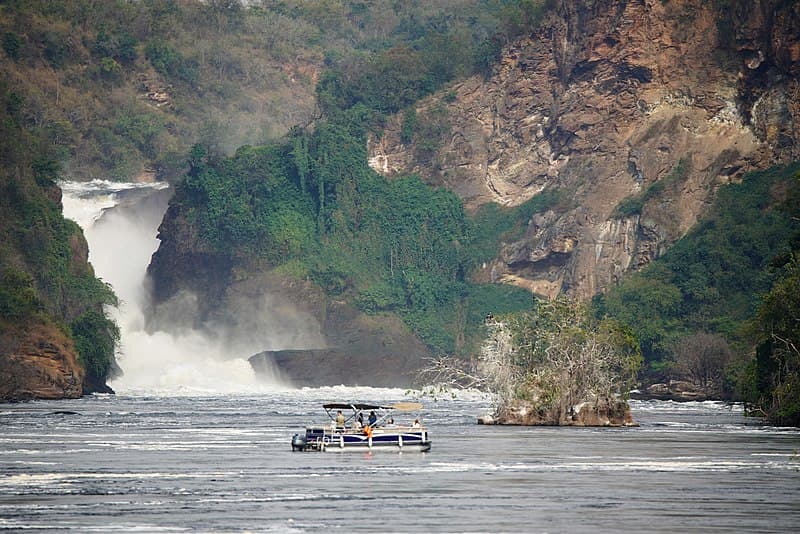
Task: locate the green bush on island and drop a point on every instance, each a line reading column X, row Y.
column 553, row 364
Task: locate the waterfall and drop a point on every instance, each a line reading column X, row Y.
column 120, row 222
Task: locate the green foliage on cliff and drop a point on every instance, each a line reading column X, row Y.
column 390, row 246
column 96, row 337
column 43, row 268
column 18, row 298
column 713, row 278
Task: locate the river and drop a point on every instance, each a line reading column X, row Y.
column 195, row 442
column 223, row 463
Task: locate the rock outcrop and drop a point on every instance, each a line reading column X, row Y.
column 676, row 390
column 38, row 358
column 604, row 102
column 615, row 413
column 39, row 362
column 345, row 346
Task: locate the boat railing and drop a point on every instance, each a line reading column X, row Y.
column 333, row 429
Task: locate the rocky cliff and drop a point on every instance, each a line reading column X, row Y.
column 38, row 361
column 44, row 270
column 636, row 110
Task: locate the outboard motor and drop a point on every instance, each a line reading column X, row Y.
column 299, row 442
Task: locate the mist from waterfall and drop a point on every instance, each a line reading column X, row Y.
column 120, row 222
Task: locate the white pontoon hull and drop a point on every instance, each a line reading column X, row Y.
column 323, row 439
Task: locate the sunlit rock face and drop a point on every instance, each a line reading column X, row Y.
column 605, row 100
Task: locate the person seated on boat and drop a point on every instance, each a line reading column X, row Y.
column 339, row 420
column 372, row 418
column 358, row 423
column 416, row 424
column 390, row 423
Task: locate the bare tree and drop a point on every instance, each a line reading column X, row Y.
column 701, row 358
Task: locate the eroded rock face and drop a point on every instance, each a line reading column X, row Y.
column 39, row 362
column 607, row 99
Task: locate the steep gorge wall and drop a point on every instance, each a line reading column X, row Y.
column 603, row 101
column 38, row 358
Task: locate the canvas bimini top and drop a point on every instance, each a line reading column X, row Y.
column 355, row 406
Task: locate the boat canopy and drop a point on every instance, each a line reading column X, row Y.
column 355, row 406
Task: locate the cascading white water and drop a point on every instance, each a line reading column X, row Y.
column 120, row 246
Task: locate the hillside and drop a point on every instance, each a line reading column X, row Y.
column 440, row 163
column 122, row 89
column 55, row 340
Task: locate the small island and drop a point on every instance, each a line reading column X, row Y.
column 553, row 365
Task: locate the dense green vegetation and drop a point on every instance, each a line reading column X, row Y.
column 771, row 382
column 45, row 279
column 311, row 205
column 712, row 279
column 121, row 86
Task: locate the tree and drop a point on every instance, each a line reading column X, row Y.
column 774, row 377
column 96, row 338
column 702, row 358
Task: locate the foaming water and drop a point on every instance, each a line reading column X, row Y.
column 120, row 222
column 223, row 463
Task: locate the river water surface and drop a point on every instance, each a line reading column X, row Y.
column 224, row 464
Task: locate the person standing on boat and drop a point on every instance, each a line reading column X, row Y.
column 339, row 420
column 372, row 418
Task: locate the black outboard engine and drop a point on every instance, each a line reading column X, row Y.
column 299, row 442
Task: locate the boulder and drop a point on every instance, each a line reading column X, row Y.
column 674, row 390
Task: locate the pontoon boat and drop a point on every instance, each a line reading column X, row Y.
column 378, row 431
